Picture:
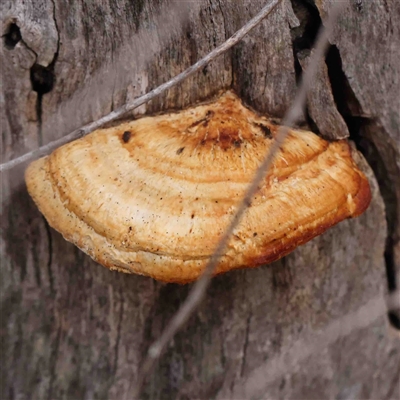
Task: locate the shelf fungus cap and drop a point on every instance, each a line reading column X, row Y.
column 153, row 196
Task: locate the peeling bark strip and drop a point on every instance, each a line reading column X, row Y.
column 321, row 103
column 60, row 339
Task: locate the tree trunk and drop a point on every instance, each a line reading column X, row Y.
column 313, row 325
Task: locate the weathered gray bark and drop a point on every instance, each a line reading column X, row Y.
column 313, row 325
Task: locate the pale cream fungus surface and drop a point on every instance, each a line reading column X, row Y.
column 153, row 196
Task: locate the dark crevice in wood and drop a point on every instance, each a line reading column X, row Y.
column 36, row 264
column 55, row 58
column 53, row 362
column 12, row 36
column 19, row 213
column 394, row 319
column 351, row 111
column 297, row 66
column 50, row 259
column 386, row 187
column 43, row 80
column 346, row 101
column 245, row 346
column 117, row 341
column 303, row 38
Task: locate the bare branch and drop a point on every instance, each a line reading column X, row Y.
column 112, row 116
column 197, row 293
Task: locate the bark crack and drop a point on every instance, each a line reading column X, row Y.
column 245, row 346
column 357, row 122
column 43, row 79
column 29, row 48
column 223, row 17
column 53, row 362
column 50, row 259
column 230, row 53
column 358, row 125
column 303, row 37
column 57, row 29
column 117, row 341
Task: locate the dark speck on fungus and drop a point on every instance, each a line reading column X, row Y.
column 126, row 136
column 209, row 114
column 265, row 130
column 179, row 151
column 204, row 120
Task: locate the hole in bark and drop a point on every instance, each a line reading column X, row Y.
column 12, row 37
column 42, row 79
column 394, row 319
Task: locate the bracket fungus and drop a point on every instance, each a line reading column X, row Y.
column 154, row 195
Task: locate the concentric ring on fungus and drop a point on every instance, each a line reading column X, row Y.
column 154, row 195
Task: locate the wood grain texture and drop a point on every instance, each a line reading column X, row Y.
column 71, row 329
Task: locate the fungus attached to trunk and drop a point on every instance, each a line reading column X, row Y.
column 153, row 196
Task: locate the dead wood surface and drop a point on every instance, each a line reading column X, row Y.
column 312, row 325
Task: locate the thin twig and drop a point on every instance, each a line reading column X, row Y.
column 112, row 116
column 198, row 291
